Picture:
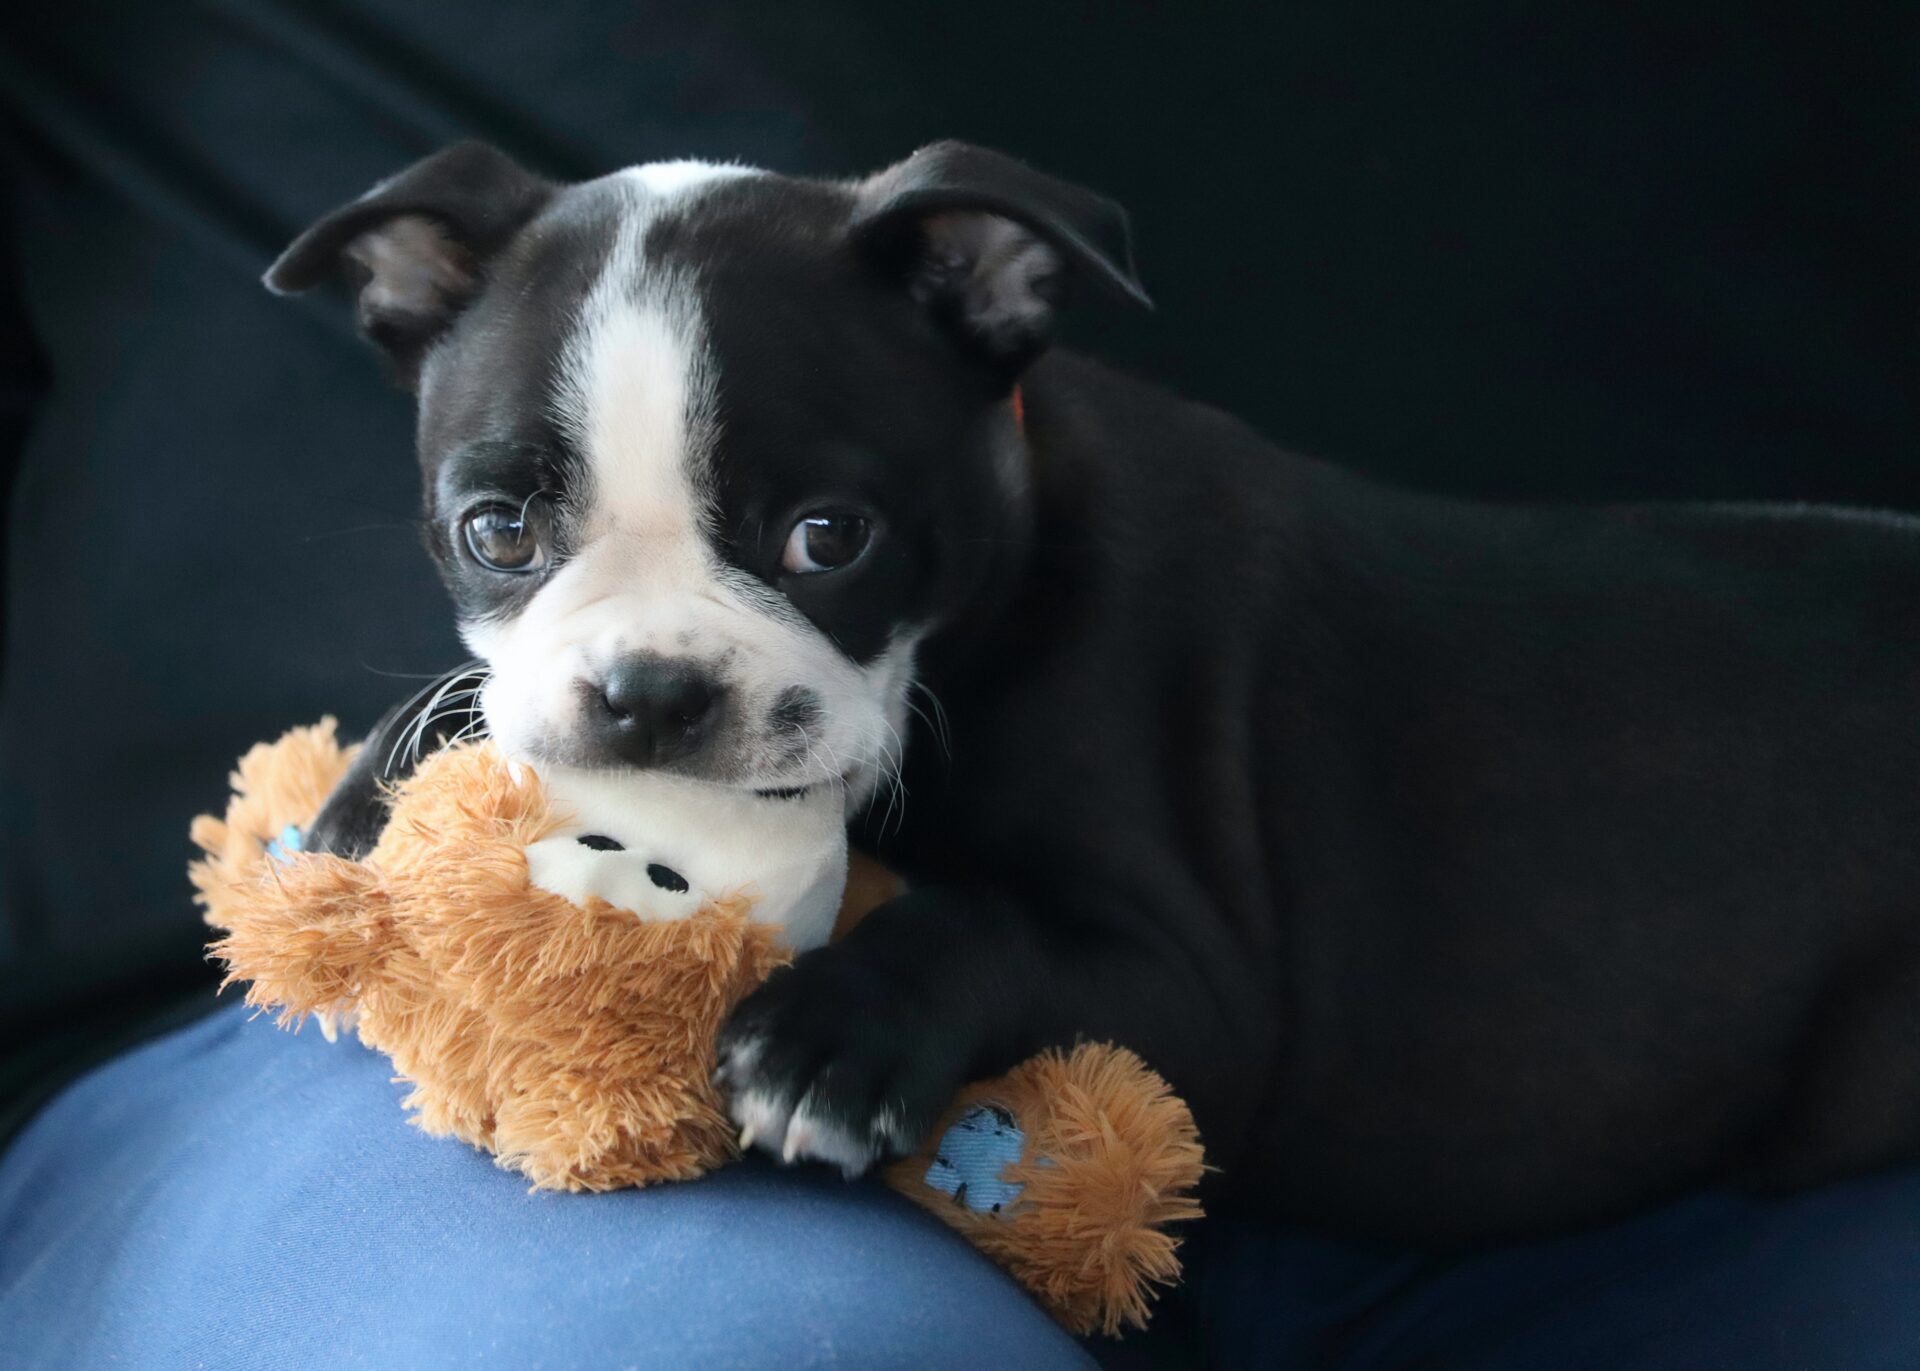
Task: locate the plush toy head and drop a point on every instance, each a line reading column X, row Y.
column 550, row 986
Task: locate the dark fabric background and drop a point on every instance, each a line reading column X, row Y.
column 1589, row 251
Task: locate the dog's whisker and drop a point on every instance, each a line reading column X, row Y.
column 939, row 733
column 891, row 764
column 432, row 713
column 476, row 729
column 830, row 765
column 470, row 679
column 941, row 725
column 373, row 670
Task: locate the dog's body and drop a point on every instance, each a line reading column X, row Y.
column 1472, row 871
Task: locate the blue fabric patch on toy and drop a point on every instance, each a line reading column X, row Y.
column 968, row 1164
column 284, row 847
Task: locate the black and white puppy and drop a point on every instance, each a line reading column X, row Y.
column 1472, row 871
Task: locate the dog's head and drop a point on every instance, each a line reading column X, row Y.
column 707, row 451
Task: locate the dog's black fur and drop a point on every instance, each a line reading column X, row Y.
column 1473, row 871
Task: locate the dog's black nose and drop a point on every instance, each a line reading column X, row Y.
column 650, row 709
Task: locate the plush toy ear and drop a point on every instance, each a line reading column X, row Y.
column 990, row 245
column 415, row 248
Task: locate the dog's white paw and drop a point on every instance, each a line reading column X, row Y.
column 811, row 1136
column 793, row 1124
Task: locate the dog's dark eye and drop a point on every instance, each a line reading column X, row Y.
column 502, row 538
column 825, row 542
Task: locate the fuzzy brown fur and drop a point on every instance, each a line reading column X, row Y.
column 1111, row 1159
column 576, row 1042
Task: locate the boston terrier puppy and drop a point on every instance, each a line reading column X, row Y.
column 1472, row 871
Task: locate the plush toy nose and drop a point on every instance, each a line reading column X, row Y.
column 649, row 709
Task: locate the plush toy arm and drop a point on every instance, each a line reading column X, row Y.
column 277, row 789
column 308, row 933
column 1068, row 1171
column 304, row 929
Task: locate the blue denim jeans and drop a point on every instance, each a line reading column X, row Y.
column 233, row 1196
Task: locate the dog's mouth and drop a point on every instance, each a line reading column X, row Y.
column 768, row 776
column 844, row 782
column 788, row 792
column 536, row 759
column 779, row 754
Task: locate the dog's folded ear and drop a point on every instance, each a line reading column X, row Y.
column 415, row 247
column 991, row 245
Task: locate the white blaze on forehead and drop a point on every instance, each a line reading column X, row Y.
column 637, row 402
column 636, row 389
column 668, row 178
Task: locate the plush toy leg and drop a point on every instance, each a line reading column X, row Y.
column 575, row 1132
column 1068, row 1172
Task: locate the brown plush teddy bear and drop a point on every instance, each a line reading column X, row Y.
column 547, row 961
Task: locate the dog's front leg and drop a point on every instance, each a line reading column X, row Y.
column 850, row 1054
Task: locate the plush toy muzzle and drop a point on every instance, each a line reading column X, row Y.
column 661, row 847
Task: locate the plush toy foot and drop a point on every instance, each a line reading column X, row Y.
column 1068, row 1171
